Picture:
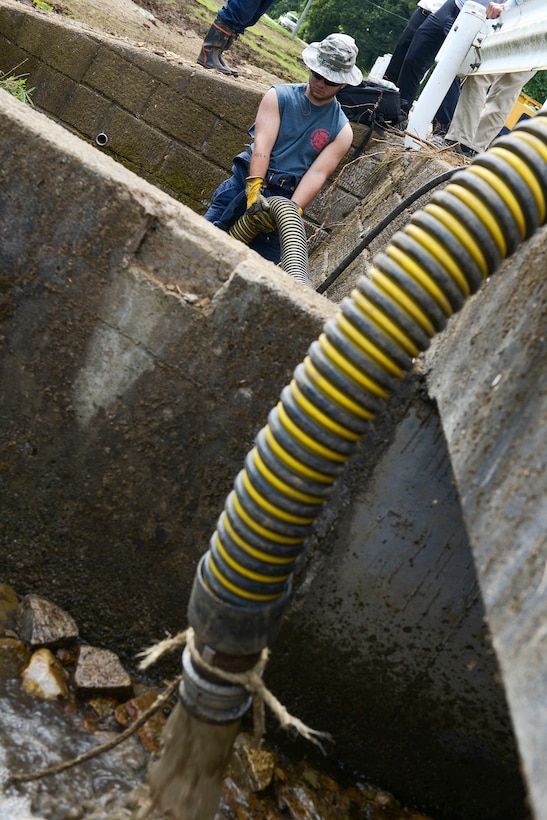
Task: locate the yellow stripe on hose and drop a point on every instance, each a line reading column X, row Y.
column 241, row 593
column 533, row 141
column 369, row 348
column 503, row 191
column 245, row 571
column 281, row 486
column 259, row 529
column 434, row 248
column 421, row 277
column 340, row 361
column 384, row 324
column 307, row 441
column 394, row 292
column 483, row 213
column 261, row 556
column 321, row 418
column 525, row 173
column 335, row 395
column 462, row 234
column 264, row 504
column 243, row 230
column 293, row 463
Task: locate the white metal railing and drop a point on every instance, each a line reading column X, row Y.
column 516, row 41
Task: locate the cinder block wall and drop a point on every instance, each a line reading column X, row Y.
column 174, row 126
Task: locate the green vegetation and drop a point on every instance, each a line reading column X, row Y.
column 537, row 87
column 288, row 59
column 16, row 85
column 376, row 25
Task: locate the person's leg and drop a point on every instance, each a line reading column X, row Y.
column 445, row 112
column 231, row 21
column 240, row 14
column 468, row 111
column 501, row 98
column 423, row 49
column 229, row 201
column 218, row 211
column 418, row 17
column 268, row 246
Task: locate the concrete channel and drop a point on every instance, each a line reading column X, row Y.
column 141, row 351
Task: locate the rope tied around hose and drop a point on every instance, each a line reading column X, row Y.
column 251, row 681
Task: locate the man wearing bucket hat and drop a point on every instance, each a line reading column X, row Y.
column 299, row 136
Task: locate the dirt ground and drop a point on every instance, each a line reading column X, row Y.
column 176, row 30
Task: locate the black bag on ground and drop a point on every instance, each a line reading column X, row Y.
column 371, row 104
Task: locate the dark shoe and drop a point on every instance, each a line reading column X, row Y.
column 460, row 148
column 438, row 141
column 217, row 40
column 465, row 150
column 212, row 58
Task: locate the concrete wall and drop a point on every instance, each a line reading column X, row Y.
column 141, row 348
column 401, row 667
column 487, row 373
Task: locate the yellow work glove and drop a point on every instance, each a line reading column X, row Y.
column 253, row 186
column 259, row 213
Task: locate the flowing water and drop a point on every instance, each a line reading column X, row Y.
column 36, row 734
column 188, row 780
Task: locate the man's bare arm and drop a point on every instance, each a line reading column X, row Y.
column 267, row 124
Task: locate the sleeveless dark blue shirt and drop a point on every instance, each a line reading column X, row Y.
column 305, row 129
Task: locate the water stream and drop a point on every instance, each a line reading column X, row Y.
column 36, row 734
column 262, row 785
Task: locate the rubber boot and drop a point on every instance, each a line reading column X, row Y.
column 217, row 40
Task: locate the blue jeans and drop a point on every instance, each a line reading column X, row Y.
column 229, row 202
column 240, row 14
column 421, row 55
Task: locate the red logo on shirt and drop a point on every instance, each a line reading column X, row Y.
column 319, row 138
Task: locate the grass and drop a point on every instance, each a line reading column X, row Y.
column 288, row 57
column 16, row 85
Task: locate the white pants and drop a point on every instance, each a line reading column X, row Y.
column 486, row 100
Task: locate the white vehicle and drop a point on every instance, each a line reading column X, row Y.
column 289, row 21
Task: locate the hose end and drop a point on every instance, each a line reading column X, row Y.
column 240, row 629
column 211, row 700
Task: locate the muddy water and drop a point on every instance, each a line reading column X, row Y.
column 36, row 734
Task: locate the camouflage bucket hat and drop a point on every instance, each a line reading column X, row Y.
column 334, row 58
